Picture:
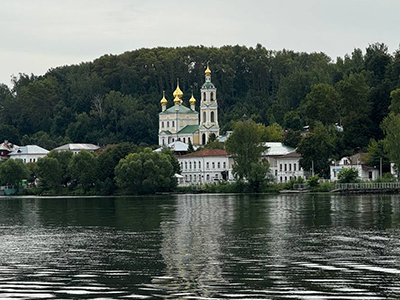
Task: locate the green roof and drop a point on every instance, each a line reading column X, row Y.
column 208, row 85
column 182, row 110
column 166, row 132
column 189, row 129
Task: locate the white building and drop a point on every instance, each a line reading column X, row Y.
column 205, row 166
column 76, row 148
column 284, row 162
column 183, row 123
column 356, row 162
column 29, row 154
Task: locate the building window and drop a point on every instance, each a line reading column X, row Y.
column 173, row 123
column 280, row 168
column 294, row 167
column 204, row 96
column 189, row 141
column 186, row 178
column 190, row 165
column 213, row 165
column 219, row 165
column 185, row 165
column 285, row 168
column 190, row 178
column 208, row 177
column 212, row 117
column 194, row 165
column 290, row 167
column 204, row 117
column 184, row 140
column 212, row 96
column 208, row 165
column 194, row 178
column 162, row 124
column 281, row 178
column 216, row 176
column 370, row 174
column 285, row 178
column 167, row 124
column 276, row 172
column 224, row 165
column 199, row 164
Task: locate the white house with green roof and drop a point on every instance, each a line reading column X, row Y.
column 181, row 123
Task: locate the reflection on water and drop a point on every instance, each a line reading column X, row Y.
column 201, row 247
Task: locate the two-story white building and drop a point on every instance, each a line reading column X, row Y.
column 357, row 162
column 284, row 162
column 205, row 166
column 29, row 153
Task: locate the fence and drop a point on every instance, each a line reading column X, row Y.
column 357, row 186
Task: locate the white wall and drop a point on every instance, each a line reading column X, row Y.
column 27, row 158
column 200, row 170
column 285, row 168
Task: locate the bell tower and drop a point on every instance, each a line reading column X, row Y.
column 208, row 109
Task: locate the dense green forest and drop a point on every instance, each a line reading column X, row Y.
column 116, row 98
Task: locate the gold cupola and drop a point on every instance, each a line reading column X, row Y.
column 178, row 93
column 164, row 101
column 177, row 100
column 207, row 71
column 192, row 100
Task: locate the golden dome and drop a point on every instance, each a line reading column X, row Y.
column 192, row 100
column 207, row 71
column 177, row 100
column 164, row 101
column 178, row 92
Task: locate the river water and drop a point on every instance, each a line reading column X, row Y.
column 201, row 247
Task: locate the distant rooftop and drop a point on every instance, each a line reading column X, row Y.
column 29, row 149
column 207, row 152
column 277, row 149
column 77, row 147
column 176, row 146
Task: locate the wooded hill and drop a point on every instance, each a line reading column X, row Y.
column 116, row 98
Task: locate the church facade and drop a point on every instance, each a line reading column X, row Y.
column 185, row 124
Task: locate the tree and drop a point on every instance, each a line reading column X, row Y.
column 292, row 120
column 190, row 148
column 317, row 148
column 376, row 153
column 272, row 133
column 348, row 175
column 258, row 175
column 322, row 104
column 292, row 138
column 12, row 171
column 145, row 172
column 49, row 172
column 63, row 158
column 391, row 127
column 83, row 168
column 245, row 143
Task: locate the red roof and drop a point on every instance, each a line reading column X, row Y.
column 207, row 152
column 292, row 154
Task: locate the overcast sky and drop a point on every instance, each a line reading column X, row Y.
column 36, row 35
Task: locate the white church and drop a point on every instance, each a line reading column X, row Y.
column 182, row 123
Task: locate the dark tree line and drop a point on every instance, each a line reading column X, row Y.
column 115, row 98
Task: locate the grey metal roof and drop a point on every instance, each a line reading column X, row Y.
column 277, row 149
column 29, row 149
column 77, row 147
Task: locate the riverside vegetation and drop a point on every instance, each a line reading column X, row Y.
column 114, row 99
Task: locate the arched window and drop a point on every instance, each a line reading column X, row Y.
column 199, row 164
column 219, row 165
column 212, row 96
column 185, row 165
column 204, row 117
column 212, row 117
column 204, row 139
column 213, row 165
column 189, row 141
column 184, row 140
column 162, row 124
column 208, row 177
column 194, row 165
column 173, row 123
column 167, row 124
column 190, row 165
column 204, row 96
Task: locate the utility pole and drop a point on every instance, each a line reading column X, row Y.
column 312, row 168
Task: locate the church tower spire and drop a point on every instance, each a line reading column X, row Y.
column 208, row 109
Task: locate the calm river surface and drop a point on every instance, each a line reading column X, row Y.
column 201, row 247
